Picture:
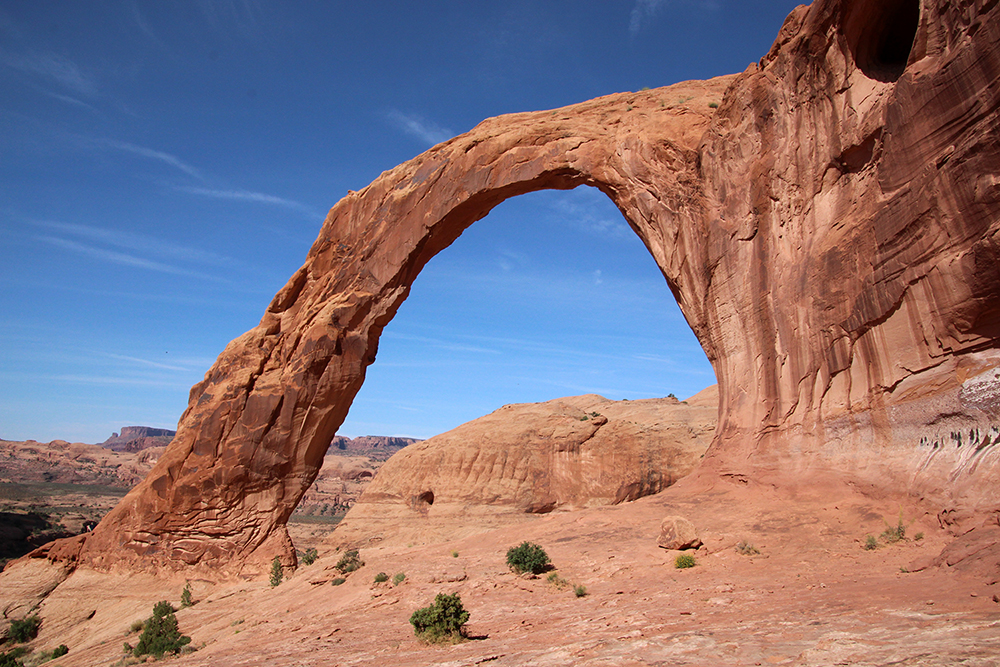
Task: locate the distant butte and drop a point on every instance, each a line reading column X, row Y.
column 828, row 220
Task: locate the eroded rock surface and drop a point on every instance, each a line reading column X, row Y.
column 831, row 233
column 530, row 459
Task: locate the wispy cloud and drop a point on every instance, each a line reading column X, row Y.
column 424, row 130
column 586, row 209
column 144, row 362
column 152, row 154
column 124, row 259
column 70, row 100
column 143, row 25
column 138, row 242
column 258, row 197
column 55, row 69
column 643, row 10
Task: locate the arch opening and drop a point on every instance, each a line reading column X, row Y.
column 881, row 36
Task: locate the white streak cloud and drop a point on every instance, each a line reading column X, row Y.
column 258, row 197
column 124, row 259
column 424, row 130
column 166, row 158
column 56, row 69
column 644, row 9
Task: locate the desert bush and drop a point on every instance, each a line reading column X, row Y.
column 746, row 548
column 557, row 581
column 579, row 590
column 24, row 629
column 398, row 578
column 277, row 572
column 684, row 561
column 527, row 557
column 186, row 600
column 9, row 659
column 871, row 544
column 350, row 562
column 136, row 627
column 60, row 651
column 713, row 105
column 338, row 581
column 918, row 536
column 160, row 634
column 443, row 621
column 454, row 554
column 380, row 577
column 309, row 557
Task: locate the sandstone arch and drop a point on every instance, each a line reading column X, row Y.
column 831, row 235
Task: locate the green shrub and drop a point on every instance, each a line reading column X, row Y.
column 338, row 581
column 713, row 105
column 160, row 634
column 309, row 557
column 579, row 590
column 277, row 572
column 454, row 554
column 398, row 578
column 871, row 544
column 350, row 562
column 684, row 561
column 10, row 658
column 24, row 629
column 527, row 557
column 380, row 577
column 918, row 536
column 60, row 651
column 557, row 581
column 443, row 621
column 186, row 600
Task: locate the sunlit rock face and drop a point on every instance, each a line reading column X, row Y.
column 830, row 231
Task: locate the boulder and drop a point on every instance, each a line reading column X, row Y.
column 677, row 533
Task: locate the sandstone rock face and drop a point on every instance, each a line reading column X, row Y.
column 831, row 233
column 526, row 459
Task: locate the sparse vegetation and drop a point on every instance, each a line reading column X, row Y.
column 684, row 561
column 579, row 590
column 338, row 581
column 527, row 557
column 186, row 600
column 746, row 548
column 443, row 621
column 398, row 578
column 454, row 554
column 11, row 657
column 309, row 557
column 897, row 533
column 918, row 537
column 713, row 105
column 557, row 581
column 136, row 626
column 380, row 577
column 349, row 562
column 24, row 629
column 277, row 572
column 161, row 633
column 871, row 544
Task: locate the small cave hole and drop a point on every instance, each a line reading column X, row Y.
column 427, row 497
column 881, row 36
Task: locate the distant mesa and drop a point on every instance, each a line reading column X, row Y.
column 138, row 438
column 370, row 445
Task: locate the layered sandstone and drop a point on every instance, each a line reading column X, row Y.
column 530, row 459
column 831, row 233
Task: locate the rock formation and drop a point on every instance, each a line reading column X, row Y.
column 532, row 458
column 831, row 232
column 379, row 446
column 138, row 438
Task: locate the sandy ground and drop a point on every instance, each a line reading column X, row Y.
column 813, row 596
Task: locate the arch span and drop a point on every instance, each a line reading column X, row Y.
column 257, row 428
column 832, row 238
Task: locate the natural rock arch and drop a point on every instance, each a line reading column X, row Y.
column 832, row 236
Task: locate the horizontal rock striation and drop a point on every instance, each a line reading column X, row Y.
column 831, row 233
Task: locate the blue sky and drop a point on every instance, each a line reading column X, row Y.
column 164, row 168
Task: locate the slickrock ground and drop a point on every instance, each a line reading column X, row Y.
column 812, row 596
column 532, row 458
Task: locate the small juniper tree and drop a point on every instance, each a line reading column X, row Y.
column 277, row 572
column 186, row 600
column 442, row 621
column 160, row 634
column 527, row 557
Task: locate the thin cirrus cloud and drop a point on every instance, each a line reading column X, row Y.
column 420, row 128
column 152, row 154
column 125, row 259
column 55, row 69
column 258, row 197
column 137, row 243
